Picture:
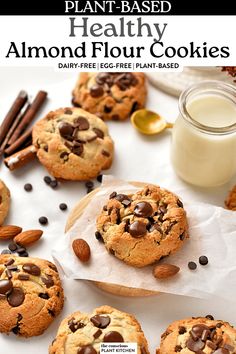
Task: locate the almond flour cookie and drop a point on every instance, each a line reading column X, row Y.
column 144, row 227
column 110, row 95
column 4, row 201
column 82, row 333
column 73, row 144
column 31, row 295
column 200, row 336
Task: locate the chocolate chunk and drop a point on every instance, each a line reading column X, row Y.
column 24, row 254
column 137, row 229
column 126, row 228
column 20, row 250
column 143, row 209
column 178, row 348
column 44, row 296
column 74, row 325
column 47, row 179
column 16, row 297
column 100, row 321
column 13, row 268
column 12, row 246
column 54, row 184
column 126, row 202
column 199, row 329
column 9, row 262
column 68, row 111
column 64, row 155
column 113, row 195
column 155, row 227
column 66, row 130
column 203, row 260
column 120, row 197
column 97, row 334
column 81, row 123
column 32, row 269
column 211, row 345
column 205, row 334
column 87, row 349
column 43, row 220
column 104, row 78
column 48, row 281
column 23, row 277
column 195, row 345
column 89, row 184
column 77, row 149
column 99, row 133
column 8, row 274
column 98, row 236
column 182, row 330
column 63, row 206
column 124, row 81
column 96, row 91
column 192, row 265
column 28, row 187
column 105, row 153
column 99, row 178
column 228, row 346
column 113, row 337
column 6, row 286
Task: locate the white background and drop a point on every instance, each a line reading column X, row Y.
column 137, row 157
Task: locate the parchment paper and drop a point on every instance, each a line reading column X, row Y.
column 212, row 233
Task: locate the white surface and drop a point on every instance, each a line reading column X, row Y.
column 137, row 158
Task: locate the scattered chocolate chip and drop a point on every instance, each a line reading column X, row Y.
column 48, row 281
column 44, row 296
column 113, row 337
column 47, row 179
column 9, row 262
column 63, row 206
column 87, row 349
column 23, row 277
column 54, row 184
column 98, row 236
column 100, row 321
column 113, row 195
column 99, row 178
column 81, row 123
column 89, row 184
column 192, row 265
column 68, row 111
column 203, row 260
column 32, row 269
column 137, row 229
column 210, row 317
column 143, row 209
column 43, row 220
column 12, row 246
column 105, row 153
column 20, row 250
column 24, row 254
column 16, row 297
column 96, row 91
column 6, row 286
column 97, row 334
column 28, row 187
column 5, row 252
column 99, row 133
column 66, row 130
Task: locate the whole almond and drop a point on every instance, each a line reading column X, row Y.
column 27, row 238
column 163, row 271
column 81, row 249
column 8, row 232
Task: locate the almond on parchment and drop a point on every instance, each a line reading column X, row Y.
column 8, row 232
column 27, row 238
column 163, row 271
column 81, row 249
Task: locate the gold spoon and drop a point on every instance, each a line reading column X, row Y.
column 148, row 122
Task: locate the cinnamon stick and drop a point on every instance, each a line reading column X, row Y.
column 12, row 114
column 19, row 142
column 20, row 158
column 29, row 116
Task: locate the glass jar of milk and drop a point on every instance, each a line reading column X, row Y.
column 203, row 149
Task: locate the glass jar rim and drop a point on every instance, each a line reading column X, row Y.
column 211, row 85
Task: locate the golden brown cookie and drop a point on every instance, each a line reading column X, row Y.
column 31, row 295
column 110, row 95
column 82, row 333
column 230, row 202
column 4, row 201
column 73, row 144
column 200, row 336
column 144, row 227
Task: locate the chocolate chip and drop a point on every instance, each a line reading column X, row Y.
column 192, row 265
column 44, row 296
column 178, row 348
column 23, row 277
column 24, row 254
column 45, row 148
column 66, row 130
column 120, row 197
column 199, row 329
column 6, row 286
column 105, row 153
column 182, row 330
column 137, row 229
column 100, row 321
column 107, row 109
column 9, row 262
column 5, row 252
column 32, row 269
column 16, row 297
column 97, row 334
column 126, row 228
column 143, row 209
column 64, row 155
column 182, row 236
column 63, row 206
column 211, row 345
column 89, row 184
column 124, row 81
column 155, row 227
column 75, row 103
column 203, row 260
column 51, row 312
column 113, row 337
column 68, row 111
column 104, row 208
column 113, row 195
column 48, row 281
column 77, row 149
column 179, row 203
column 126, row 202
column 81, row 123
column 13, row 268
column 43, row 220
column 195, row 345
column 28, row 187
column 98, row 236
column 87, row 349
column 54, row 184
column 12, row 246
column 47, row 179
column 104, row 78
column 74, row 325
column 99, row 133
column 99, row 178
column 210, row 317
column 96, row 91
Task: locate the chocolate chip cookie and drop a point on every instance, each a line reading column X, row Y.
column 31, row 295
column 4, row 201
column 82, row 333
column 110, row 95
column 200, row 336
column 73, row 144
column 144, row 227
